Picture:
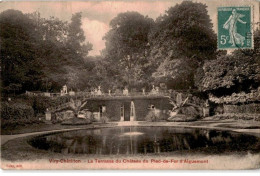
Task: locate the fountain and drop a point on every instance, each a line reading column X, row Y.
column 132, row 112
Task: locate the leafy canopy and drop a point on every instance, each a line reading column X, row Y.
column 181, row 41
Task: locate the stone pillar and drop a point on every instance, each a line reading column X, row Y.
column 179, row 99
column 47, row 115
column 205, row 111
column 143, row 91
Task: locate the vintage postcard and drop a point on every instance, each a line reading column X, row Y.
column 138, row 84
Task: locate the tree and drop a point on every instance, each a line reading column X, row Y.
column 181, row 41
column 39, row 53
column 233, row 73
column 76, row 37
column 18, row 52
column 126, row 45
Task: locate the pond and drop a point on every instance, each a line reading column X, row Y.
column 145, row 140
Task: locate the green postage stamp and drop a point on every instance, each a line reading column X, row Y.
column 234, row 27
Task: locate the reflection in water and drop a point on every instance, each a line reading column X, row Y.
column 135, row 140
column 131, row 134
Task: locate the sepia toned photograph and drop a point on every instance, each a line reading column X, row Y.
column 137, row 85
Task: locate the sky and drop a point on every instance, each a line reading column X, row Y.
column 96, row 15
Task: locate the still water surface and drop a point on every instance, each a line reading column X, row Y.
column 144, row 140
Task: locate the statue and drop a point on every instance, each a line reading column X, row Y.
column 157, row 90
column 143, row 91
column 64, row 90
column 153, row 91
column 95, row 91
column 99, row 91
column 125, row 91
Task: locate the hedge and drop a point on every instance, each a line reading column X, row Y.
column 27, row 109
column 41, row 103
column 243, row 108
column 16, row 113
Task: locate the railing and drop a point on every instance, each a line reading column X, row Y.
column 95, row 94
column 130, row 94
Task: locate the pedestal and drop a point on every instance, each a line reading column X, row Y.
column 48, row 116
column 205, row 111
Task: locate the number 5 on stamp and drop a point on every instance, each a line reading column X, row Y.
column 234, row 28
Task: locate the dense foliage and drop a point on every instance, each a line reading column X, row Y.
column 39, row 53
column 177, row 49
column 180, row 42
column 234, row 73
column 16, row 113
column 126, row 48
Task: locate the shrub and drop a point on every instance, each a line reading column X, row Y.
column 238, row 116
column 40, row 104
column 16, row 111
column 76, row 121
column 191, row 111
column 182, row 118
column 13, row 114
column 152, row 116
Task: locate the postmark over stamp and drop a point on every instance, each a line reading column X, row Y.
column 234, row 28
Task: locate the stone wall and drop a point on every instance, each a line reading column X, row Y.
column 141, row 106
column 113, row 110
column 253, row 108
